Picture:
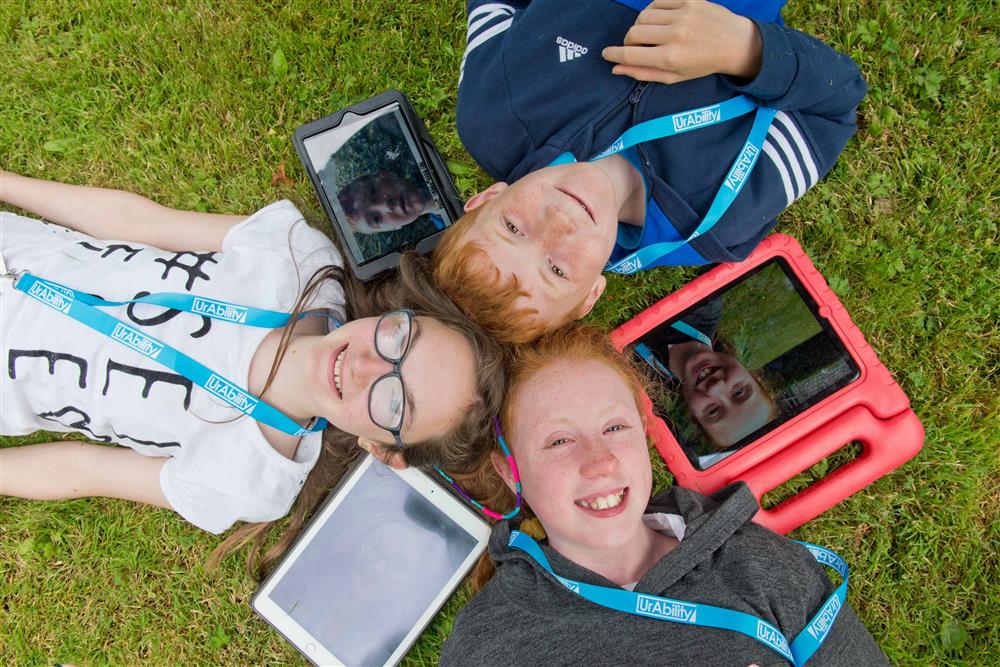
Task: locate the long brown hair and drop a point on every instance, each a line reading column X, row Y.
column 575, row 341
column 459, row 450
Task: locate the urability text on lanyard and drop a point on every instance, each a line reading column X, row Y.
column 82, row 307
column 678, row 123
column 678, row 611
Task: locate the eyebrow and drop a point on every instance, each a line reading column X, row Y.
column 411, row 414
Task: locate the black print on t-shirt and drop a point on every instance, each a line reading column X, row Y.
column 151, row 443
column 193, row 270
column 165, row 316
column 82, row 424
column 149, row 378
column 52, row 357
column 112, row 248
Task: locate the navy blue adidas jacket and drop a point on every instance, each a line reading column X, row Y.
column 534, row 85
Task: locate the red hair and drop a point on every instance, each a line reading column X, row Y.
column 576, row 342
column 464, row 271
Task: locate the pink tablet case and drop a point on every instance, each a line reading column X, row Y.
column 872, row 410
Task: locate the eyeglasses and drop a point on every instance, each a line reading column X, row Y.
column 513, row 469
column 387, row 398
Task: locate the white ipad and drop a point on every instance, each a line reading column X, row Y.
column 371, row 570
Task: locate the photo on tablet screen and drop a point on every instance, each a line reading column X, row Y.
column 377, row 184
column 373, row 569
column 741, row 362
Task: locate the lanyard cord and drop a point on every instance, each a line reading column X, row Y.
column 647, row 354
column 691, row 613
column 678, row 123
column 81, row 307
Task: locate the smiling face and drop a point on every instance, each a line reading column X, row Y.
column 724, row 398
column 438, row 374
column 383, row 202
column 580, row 446
column 554, row 229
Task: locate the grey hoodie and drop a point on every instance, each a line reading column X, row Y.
column 524, row 616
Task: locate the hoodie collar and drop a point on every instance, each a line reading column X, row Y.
column 711, row 521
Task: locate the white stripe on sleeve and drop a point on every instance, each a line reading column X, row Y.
column 480, row 22
column 772, row 153
column 489, row 7
column 793, row 162
column 800, row 141
column 480, row 39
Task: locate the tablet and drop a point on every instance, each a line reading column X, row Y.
column 375, row 564
column 737, row 365
column 380, row 180
column 758, row 373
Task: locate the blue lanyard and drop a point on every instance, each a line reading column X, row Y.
column 691, row 613
column 198, row 305
column 678, row 123
column 691, row 332
column 81, row 307
column 647, row 354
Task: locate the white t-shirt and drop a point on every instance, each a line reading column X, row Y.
column 59, row 375
column 671, row 525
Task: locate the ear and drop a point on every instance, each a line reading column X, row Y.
column 592, row 296
column 394, row 459
column 486, row 195
column 499, row 462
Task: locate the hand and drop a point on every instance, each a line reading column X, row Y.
column 677, row 40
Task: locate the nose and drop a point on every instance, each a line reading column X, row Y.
column 720, row 391
column 368, row 366
column 597, row 459
column 556, row 225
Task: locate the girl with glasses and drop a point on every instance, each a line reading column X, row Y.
column 413, row 386
column 573, row 422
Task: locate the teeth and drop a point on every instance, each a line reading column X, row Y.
column 603, row 502
column 705, row 372
column 336, row 370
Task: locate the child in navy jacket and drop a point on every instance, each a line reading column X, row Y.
column 546, row 81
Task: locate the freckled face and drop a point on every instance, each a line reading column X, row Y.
column 554, row 229
column 581, row 449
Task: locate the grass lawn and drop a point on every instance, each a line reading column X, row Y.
column 194, row 103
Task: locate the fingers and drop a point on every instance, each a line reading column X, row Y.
column 641, row 35
column 666, row 4
column 661, row 11
column 642, row 56
column 655, row 17
column 652, row 74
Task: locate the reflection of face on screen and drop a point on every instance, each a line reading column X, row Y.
column 740, row 363
column 377, row 184
column 372, row 569
column 726, row 400
column 383, row 202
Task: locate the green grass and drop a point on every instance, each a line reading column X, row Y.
column 185, row 102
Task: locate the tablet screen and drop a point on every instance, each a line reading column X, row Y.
column 740, row 363
column 376, row 183
column 372, row 568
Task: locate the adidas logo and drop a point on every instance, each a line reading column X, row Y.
column 569, row 50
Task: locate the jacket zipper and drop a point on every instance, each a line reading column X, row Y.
column 618, row 107
column 633, row 99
